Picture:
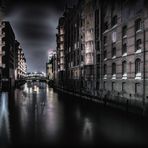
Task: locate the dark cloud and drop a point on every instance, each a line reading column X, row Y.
column 34, row 23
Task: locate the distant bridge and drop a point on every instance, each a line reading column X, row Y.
column 30, row 79
column 34, row 77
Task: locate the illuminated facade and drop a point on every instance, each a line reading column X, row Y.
column 20, row 62
column 49, row 66
column 60, row 51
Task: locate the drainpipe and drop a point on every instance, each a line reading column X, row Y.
column 100, row 44
column 143, row 64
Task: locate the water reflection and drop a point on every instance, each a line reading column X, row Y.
column 43, row 116
column 4, row 119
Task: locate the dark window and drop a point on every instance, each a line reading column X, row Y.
column 113, row 68
column 113, row 86
column 98, row 58
column 124, row 31
column 105, row 69
column 138, row 44
column 124, row 48
column 105, row 26
column 124, row 87
column 105, row 54
column 113, row 51
column 82, row 58
column 138, row 66
column 137, row 88
column 114, row 20
column 104, row 85
column 138, row 24
column 97, row 46
column 124, row 67
column 105, row 39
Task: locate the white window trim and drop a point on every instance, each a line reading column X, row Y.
column 105, row 76
column 124, row 77
column 113, row 57
column 125, row 54
column 139, row 51
column 138, row 76
column 139, row 30
column 124, row 37
column 105, row 59
column 115, row 26
column 114, row 76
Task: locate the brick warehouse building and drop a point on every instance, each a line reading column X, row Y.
column 105, row 49
column 124, row 48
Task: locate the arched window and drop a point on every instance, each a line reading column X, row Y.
column 113, row 69
column 124, row 31
column 105, row 69
column 114, row 20
column 138, row 44
column 137, row 66
column 124, row 67
column 138, row 24
column 124, row 48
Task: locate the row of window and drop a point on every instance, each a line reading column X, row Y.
column 124, row 87
column 138, row 25
column 124, row 48
column 124, row 68
column 138, row 43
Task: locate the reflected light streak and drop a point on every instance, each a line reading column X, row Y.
column 36, row 88
column 26, row 89
column 4, row 117
column 87, row 131
column 53, row 121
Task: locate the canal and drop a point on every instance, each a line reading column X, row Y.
column 44, row 117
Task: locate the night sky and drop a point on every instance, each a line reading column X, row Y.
column 34, row 24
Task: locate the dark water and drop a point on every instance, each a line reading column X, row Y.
column 44, row 117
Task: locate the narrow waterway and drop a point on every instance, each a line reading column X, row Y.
column 42, row 116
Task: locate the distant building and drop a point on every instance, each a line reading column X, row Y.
column 20, row 62
column 60, row 51
column 54, row 68
column 49, row 66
